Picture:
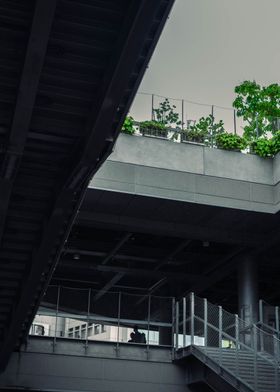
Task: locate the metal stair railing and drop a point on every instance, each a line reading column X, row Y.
column 244, row 351
column 266, row 311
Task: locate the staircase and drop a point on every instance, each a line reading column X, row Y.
column 263, row 378
column 243, row 357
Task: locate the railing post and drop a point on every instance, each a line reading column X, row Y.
column 173, row 324
column 88, row 311
column 177, row 325
column 220, row 333
column 205, row 323
column 277, row 320
column 212, row 114
column 184, row 321
column 255, row 347
column 276, row 353
column 192, row 317
column 153, row 112
column 183, row 114
column 261, row 321
column 237, row 344
column 149, row 320
column 56, row 315
column 234, row 121
column 119, row 316
column 261, row 310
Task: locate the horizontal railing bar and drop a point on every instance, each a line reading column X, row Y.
column 104, row 319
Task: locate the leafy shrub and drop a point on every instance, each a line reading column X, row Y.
column 153, row 125
column 128, row 126
column 263, row 147
column 194, row 135
column 166, row 115
column 229, row 141
column 275, row 143
column 205, row 130
column 154, row 128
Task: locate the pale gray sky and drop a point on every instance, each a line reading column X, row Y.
column 209, row 46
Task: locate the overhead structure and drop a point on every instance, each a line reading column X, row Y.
column 69, row 71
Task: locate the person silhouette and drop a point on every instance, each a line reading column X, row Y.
column 132, row 338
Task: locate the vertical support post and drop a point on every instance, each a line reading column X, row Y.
column 205, row 323
column 277, row 320
column 261, row 310
column 212, row 114
column 88, row 311
column 276, row 354
column 261, row 321
column 192, row 317
column 255, row 347
column 173, row 325
column 56, row 315
column 149, row 320
column 184, row 321
column 183, row 114
column 220, row 334
column 177, row 325
column 237, row 344
column 234, row 121
column 248, row 290
column 152, row 114
column 119, row 316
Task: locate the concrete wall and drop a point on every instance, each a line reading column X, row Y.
column 192, row 173
column 41, row 368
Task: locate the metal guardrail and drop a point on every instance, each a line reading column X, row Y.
column 87, row 315
column 227, row 340
column 269, row 318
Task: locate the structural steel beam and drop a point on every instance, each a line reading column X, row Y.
column 27, row 90
column 172, row 229
column 132, row 271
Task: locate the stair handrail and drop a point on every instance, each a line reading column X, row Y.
column 261, row 322
column 256, row 335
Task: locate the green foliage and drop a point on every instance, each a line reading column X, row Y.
column 128, row 127
column 275, row 143
column 153, row 128
column 262, row 147
column 153, row 125
column 259, row 106
column 166, row 115
column 205, row 130
column 229, row 141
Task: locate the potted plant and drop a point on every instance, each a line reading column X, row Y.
column 128, row 126
column 204, row 131
column 153, row 128
column 164, row 118
column 230, row 141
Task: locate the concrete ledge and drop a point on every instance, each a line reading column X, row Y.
column 186, row 172
column 58, row 368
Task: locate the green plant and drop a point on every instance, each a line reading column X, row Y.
column 165, row 114
column 205, row 130
column 153, row 125
column 230, row 141
column 128, row 127
column 260, row 108
column 275, row 143
column 262, row 147
column 153, row 128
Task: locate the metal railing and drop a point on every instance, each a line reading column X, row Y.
column 87, row 315
column 244, row 351
column 269, row 318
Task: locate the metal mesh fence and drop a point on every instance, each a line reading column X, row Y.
column 242, row 350
column 87, row 314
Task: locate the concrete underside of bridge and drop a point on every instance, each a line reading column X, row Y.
column 101, row 368
column 164, row 218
